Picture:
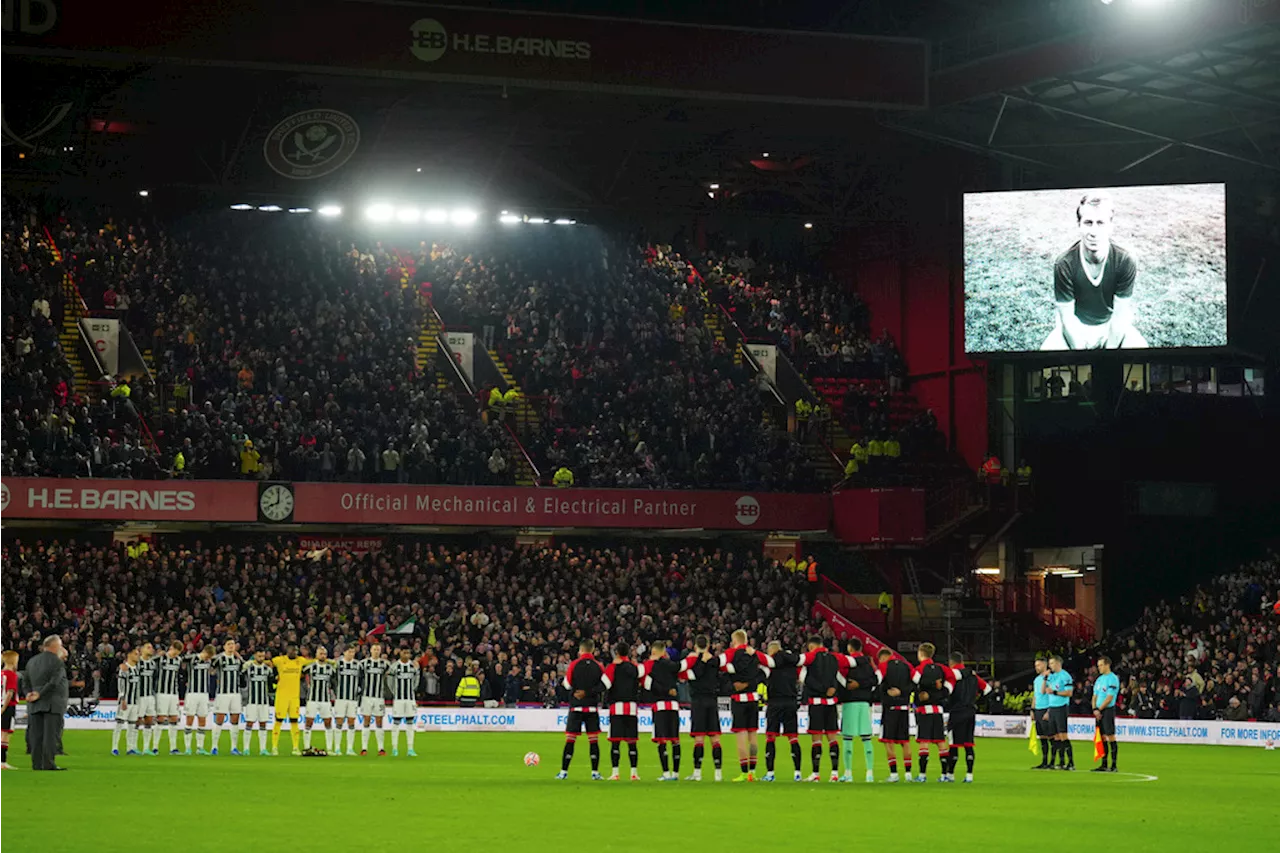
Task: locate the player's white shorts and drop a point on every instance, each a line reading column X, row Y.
column 257, row 713
column 147, row 706
column 404, row 708
column 373, row 706
column 167, row 705
column 227, row 703
column 129, row 714
column 345, row 709
column 323, row 710
column 196, row 705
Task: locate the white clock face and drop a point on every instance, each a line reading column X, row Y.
column 276, row 502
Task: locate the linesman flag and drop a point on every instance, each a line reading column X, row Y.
column 1097, row 743
column 1033, row 743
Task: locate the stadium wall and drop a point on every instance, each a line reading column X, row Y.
column 1195, row 732
column 910, row 278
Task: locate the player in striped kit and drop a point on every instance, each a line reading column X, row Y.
column 621, row 680
column 230, row 668
column 702, row 668
column 257, row 706
column 405, row 675
column 147, row 666
column 583, row 680
column 819, row 671
column 127, row 709
column 373, row 704
column 747, row 668
column 196, row 703
column 659, row 677
column 168, row 670
column 346, row 698
column 319, row 674
column 934, row 682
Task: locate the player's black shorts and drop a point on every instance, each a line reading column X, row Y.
column 961, row 726
column 746, row 716
column 1058, row 719
column 781, row 720
column 930, row 729
column 666, row 726
column 824, row 720
column 580, row 721
column 624, row 727
column 1107, row 722
column 6, row 719
column 896, row 726
column 706, row 717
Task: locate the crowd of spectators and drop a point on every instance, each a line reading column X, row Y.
column 279, row 349
column 1208, row 655
column 611, row 347
column 514, row 614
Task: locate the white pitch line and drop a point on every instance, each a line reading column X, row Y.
column 1142, row 777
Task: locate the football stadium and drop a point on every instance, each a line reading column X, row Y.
column 509, row 425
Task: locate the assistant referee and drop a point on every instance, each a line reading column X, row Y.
column 1105, row 690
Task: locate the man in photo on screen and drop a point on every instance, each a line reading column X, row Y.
column 1093, row 285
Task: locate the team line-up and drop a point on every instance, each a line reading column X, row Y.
column 838, row 690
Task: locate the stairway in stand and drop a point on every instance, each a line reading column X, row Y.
column 429, row 344
column 73, row 309
column 711, row 319
column 526, row 416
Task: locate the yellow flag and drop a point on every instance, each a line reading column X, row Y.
column 1098, row 750
column 1033, row 743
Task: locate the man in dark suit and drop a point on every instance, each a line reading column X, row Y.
column 47, row 702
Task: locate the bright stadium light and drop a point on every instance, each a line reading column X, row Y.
column 536, row 220
column 808, row 226
column 765, row 154
column 330, row 210
column 505, row 212
column 270, row 208
column 408, row 215
column 299, row 210
column 242, row 206
column 464, row 216
column 436, row 215
column 713, row 186
column 144, row 193
column 563, row 221
column 419, row 168
column 509, row 219
column 379, row 212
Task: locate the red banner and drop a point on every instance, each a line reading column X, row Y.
column 330, row 503
column 538, row 50
column 129, row 500
column 890, row 516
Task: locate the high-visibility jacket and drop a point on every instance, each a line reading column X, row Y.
column 468, row 691
column 851, row 467
column 249, row 461
column 892, row 448
column 563, row 478
column 179, row 461
column 1024, row 475
column 122, row 391
column 812, row 574
column 510, row 397
column 790, row 564
column 803, row 410
column 886, row 601
column 875, row 448
column 495, row 396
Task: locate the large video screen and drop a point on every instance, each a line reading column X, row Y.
column 1100, row 268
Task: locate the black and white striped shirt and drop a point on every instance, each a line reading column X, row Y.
column 169, row 670
column 347, row 687
column 320, row 678
column 198, row 675
column 128, row 684
column 257, row 678
column 229, row 667
column 147, row 676
column 407, row 676
column 375, row 674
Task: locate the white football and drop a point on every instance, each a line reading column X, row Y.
column 531, row 759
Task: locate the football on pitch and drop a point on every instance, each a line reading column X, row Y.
column 531, row 759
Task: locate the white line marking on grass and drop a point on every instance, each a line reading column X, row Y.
column 1142, row 777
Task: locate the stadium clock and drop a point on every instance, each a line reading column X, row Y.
column 275, row 502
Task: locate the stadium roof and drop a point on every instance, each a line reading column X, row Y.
column 1058, row 91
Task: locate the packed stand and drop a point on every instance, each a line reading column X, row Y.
column 281, row 351
column 513, row 615
column 1208, row 655
column 48, row 429
column 630, row 386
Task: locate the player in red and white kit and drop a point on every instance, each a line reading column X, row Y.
column 894, row 676
column 747, row 668
column 819, row 671
column 584, row 681
column 934, row 683
column 9, row 702
column 622, row 691
column 659, row 677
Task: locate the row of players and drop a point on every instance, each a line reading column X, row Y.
column 337, row 691
column 838, row 689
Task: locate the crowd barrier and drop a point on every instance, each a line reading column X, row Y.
column 439, row 719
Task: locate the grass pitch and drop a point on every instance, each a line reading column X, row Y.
column 473, row 792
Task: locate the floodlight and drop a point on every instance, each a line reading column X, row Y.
column 379, row 212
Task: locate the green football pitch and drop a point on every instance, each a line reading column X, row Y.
column 473, row 792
